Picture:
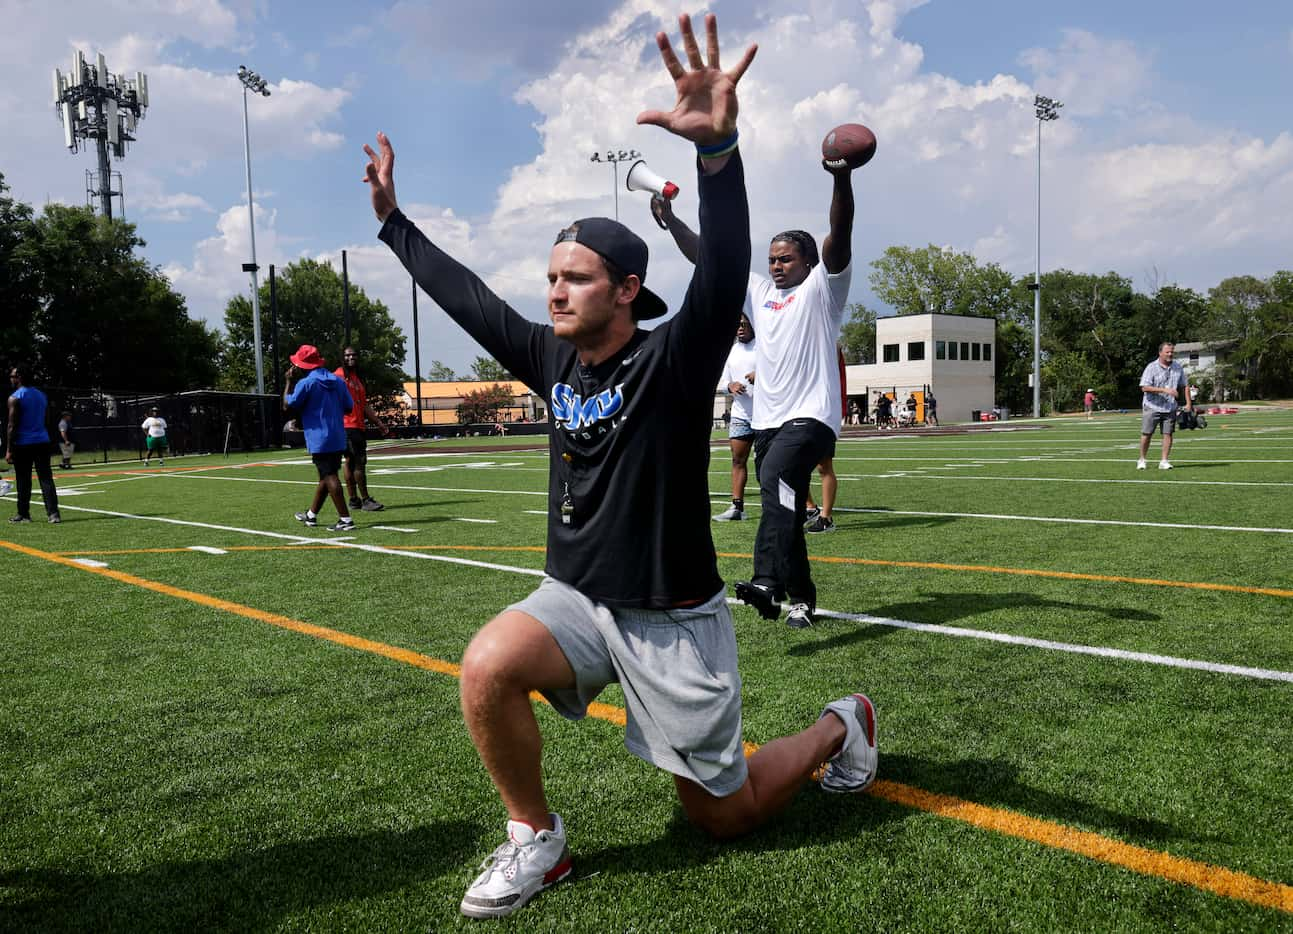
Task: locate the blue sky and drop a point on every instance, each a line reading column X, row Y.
column 1173, row 160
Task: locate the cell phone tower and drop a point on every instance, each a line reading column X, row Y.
column 94, row 104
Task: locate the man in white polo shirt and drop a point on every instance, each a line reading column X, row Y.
column 1163, row 384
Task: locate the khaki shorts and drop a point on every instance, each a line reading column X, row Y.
column 682, row 690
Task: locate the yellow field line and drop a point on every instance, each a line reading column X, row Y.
column 1210, row 878
column 823, row 559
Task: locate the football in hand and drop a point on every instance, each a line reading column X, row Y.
column 850, row 144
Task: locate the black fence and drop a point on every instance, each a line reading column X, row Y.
column 106, row 424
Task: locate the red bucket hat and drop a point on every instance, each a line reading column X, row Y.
column 307, row 357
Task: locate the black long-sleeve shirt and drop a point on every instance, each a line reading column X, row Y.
column 629, row 438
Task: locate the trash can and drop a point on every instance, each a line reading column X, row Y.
column 1005, row 414
column 975, row 415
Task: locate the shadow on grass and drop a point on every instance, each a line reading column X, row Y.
column 241, row 892
column 996, row 784
column 875, row 518
column 815, row 818
column 939, row 609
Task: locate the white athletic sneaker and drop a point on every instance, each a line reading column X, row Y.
column 1164, row 465
column 853, row 768
column 732, row 514
column 800, row 616
column 1140, row 464
column 5, row 487
column 520, row 869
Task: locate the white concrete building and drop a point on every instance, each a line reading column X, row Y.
column 951, row 355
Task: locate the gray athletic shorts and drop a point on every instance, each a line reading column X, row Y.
column 1149, row 420
column 678, row 670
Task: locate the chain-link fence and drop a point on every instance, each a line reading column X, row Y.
column 106, row 425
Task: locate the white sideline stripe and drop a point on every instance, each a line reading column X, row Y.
column 539, row 512
column 1103, row 652
column 892, row 512
column 988, row 515
column 481, row 521
column 1174, row 480
column 1144, row 657
column 90, row 562
column 392, row 528
column 304, row 540
column 207, row 549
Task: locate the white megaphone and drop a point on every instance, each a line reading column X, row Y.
column 641, row 178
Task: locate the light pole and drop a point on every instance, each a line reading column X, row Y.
column 1046, row 109
column 615, row 158
column 252, row 82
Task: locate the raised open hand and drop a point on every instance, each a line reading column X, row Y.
column 705, row 112
column 380, row 176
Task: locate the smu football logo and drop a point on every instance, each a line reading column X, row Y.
column 774, row 305
column 573, row 412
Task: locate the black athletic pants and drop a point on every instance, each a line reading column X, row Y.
column 25, row 457
column 785, row 458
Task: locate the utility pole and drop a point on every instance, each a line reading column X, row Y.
column 1047, row 110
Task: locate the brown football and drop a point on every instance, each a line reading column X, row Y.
column 851, row 143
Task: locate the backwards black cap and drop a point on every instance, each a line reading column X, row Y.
column 625, row 250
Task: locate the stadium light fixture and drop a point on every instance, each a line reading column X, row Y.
column 94, row 104
column 256, row 84
column 615, row 157
column 1047, row 109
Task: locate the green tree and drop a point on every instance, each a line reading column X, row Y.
column 1093, row 316
column 935, row 280
column 484, row 404
column 310, row 299
column 19, row 280
column 857, row 336
column 102, row 317
column 1067, row 376
column 487, row 368
column 1013, row 362
column 1259, row 315
column 439, row 373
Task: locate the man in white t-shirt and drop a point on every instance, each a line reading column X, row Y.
column 155, row 436
column 738, row 381
column 797, row 311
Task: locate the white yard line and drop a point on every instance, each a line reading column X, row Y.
column 207, row 549
column 1068, row 521
column 1023, row 641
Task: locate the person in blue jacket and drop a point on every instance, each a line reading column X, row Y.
column 320, row 400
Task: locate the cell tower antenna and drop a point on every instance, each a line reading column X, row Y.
column 94, row 104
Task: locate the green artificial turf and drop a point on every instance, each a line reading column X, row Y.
column 173, row 765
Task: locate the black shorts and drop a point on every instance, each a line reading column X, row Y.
column 327, row 464
column 356, row 448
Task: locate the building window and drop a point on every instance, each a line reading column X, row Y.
column 987, row 351
column 1194, row 359
column 890, row 353
column 965, row 350
column 951, row 350
column 974, row 351
column 916, row 350
column 940, row 350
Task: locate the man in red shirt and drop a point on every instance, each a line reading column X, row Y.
column 356, row 441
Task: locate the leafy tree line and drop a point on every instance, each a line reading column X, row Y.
column 310, row 299
column 1097, row 331
column 82, row 310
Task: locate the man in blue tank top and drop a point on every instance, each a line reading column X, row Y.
column 29, row 446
